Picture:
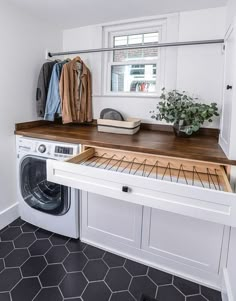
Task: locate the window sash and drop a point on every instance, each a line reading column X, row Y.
column 130, row 29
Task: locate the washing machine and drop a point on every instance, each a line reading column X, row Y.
column 44, row 204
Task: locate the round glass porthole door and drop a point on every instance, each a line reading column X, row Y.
column 37, row 192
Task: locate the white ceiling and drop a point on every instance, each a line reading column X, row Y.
column 75, row 13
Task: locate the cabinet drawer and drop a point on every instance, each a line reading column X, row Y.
column 190, row 188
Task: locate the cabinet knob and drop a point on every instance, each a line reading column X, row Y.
column 125, row 188
column 228, row 87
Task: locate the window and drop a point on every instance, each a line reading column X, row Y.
column 133, row 72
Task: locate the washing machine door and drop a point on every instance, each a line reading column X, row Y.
column 37, row 192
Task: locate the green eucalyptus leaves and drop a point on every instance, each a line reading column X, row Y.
column 184, row 111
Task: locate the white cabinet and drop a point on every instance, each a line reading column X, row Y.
column 186, row 246
column 228, row 122
column 165, row 212
column 182, row 239
column 191, row 188
column 111, row 220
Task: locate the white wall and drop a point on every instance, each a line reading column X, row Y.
column 23, row 43
column 230, row 12
column 201, row 68
column 197, row 69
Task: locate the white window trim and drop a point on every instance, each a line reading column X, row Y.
column 109, row 32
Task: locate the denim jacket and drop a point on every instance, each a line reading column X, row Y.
column 53, row 104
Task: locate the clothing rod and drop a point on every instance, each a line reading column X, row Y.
column 155, row 45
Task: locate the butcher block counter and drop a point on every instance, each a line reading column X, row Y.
column 203, row 147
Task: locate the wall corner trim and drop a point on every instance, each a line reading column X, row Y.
column 227, row 294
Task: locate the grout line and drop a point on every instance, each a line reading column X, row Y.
column 62, row 262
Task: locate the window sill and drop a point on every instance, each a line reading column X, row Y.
column 129, row 95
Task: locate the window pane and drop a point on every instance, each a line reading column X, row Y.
column 135, row 54
column 151, row 37
column 135, row 39
column 120, row 41
column 133, row 78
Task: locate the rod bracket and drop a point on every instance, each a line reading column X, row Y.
column 47, row 54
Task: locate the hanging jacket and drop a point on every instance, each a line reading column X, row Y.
column 42, row 87
column 53, row 103
column 76, row 92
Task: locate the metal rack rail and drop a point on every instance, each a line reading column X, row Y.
column 196, row 176
column 153, row 45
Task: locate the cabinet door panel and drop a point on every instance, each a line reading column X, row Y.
column 187, row 240
column 228, row 122
column 111, row 218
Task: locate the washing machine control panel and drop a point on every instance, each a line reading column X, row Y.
column 45, row 148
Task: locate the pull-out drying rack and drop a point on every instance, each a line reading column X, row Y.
column 211, row 176
column 192, row 188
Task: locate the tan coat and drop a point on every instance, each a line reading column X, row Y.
column 76, row 92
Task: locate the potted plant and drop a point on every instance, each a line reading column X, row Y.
column 184, row 112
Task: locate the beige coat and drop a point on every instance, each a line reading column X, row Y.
column 76, row 92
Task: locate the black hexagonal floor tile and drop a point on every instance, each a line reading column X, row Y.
column 26, row 289
column 73, row 285
column 118, row 279
column 9, row 278
column 57, row 239
column 75, row 245
column 5, row 297
column 16, row 258
column 210, row 294
column 39, row 247
column 56, row 254
column 122, row 296
column 169, row 292
column 49, row 294
column 118, row 285
column 5, row 248
column 33, row 266
column 41, row 233
column 135, row 268
column 93, row 253
column 24, row 240
column 29, row 228
column 1, row 266
column 113, row 260
column 196, row 298
column 186, row 287
column 142, row 285
column 75, row 262
column 96, row 291
column 17, row 223
column 95, row 270
column 10, row 233
column 3, row 229
column 159, row 277
column 52, row 275
column 146, row 298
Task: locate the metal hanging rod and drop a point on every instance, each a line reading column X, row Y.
column 155, row 45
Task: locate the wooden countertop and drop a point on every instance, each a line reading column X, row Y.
column 203, row 148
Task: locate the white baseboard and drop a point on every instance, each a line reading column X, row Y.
column 227, row 294
column 151, row 260
column 9, row 215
